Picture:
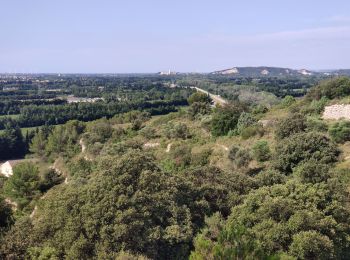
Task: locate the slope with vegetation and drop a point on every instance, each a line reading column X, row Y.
column 240, row 181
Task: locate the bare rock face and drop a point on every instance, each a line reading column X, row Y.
column 337, row 112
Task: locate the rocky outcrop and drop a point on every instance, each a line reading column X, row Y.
column 336, row 112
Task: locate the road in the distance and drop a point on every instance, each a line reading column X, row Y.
column 217, row 99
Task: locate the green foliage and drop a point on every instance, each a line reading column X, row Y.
column 23, row 185
column 181, row 154
column 12, row 144
column 312, row 171
column 278, row 216
column 259, row 109
column 45, row 253
column 225, row 241
column 316, row 124
column 100, row 129
column 245, row 120
column 312, row 245
column 199, row 97
column 6, row 216
column 331, row 88
column 287, row 101
column 64, row 139
column 261, row 151
column 225, row 119
column 179, row 130
column 199, row 109
column 39, row 141
column 127, row 196
column 148, row 132
column 49, row 178
column 340, row 131
column 302, row 147
column 241, row 157
column 251, row 131
column 131, row 117
column 18, row 240
column 294, row 123
column 316, row 106
column 201, row 157
column 269, row 177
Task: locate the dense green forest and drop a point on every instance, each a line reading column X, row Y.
column 169, row 176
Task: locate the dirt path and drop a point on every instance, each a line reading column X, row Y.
column 83, row 146
column 168, row 148
column 151, row 145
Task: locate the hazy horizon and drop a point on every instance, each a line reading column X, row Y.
column 147, row 37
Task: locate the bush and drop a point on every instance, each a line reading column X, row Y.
column 198, row 108
column 316, row 124
column 312, row 171
column 202, row 157
column 148, row 132
column 312, row 245
column 269, row 178
column 241, row 157
column 261, row 151
column 225, row 119
column 179, row 130
column 302, row 147
column 251, row 131
column 49, row 179
column 245, row 120
column 294, row 123
column 340, row 131
column 199, row 97
column 287, row 101
column 316, row 106
column 331, row 88
column 23, row 185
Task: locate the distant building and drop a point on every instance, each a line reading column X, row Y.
column 168, row 73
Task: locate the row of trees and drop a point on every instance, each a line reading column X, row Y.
column 52, row 115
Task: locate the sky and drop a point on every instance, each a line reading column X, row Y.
column 139, row 36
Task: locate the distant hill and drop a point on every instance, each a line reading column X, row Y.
column 342, row 72
column 264, row 71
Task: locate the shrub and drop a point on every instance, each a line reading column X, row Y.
column 287, row 101
column 312, row 171
column 198, row 108
column 49, row 179
column 331, row 88
column 241, row 157
column 340, row 131
column 301, row 147
column 294, row 123
column 179, row 130
column 312, row 245
column 245, row 120
column 23, row 185
column 316, row 124
column 269, row 178
column 225, row 119
column 261, row 151
column 316, row 106
column 148, row 132
column 251, row 131
column 199, row 97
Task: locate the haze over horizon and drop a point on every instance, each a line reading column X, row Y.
column 188, row 36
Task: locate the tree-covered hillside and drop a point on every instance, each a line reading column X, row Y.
column 240, row 181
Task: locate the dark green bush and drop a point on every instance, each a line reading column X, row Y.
column 340, row 131
column 261, row 151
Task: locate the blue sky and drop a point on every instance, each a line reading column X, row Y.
column 149, row 36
